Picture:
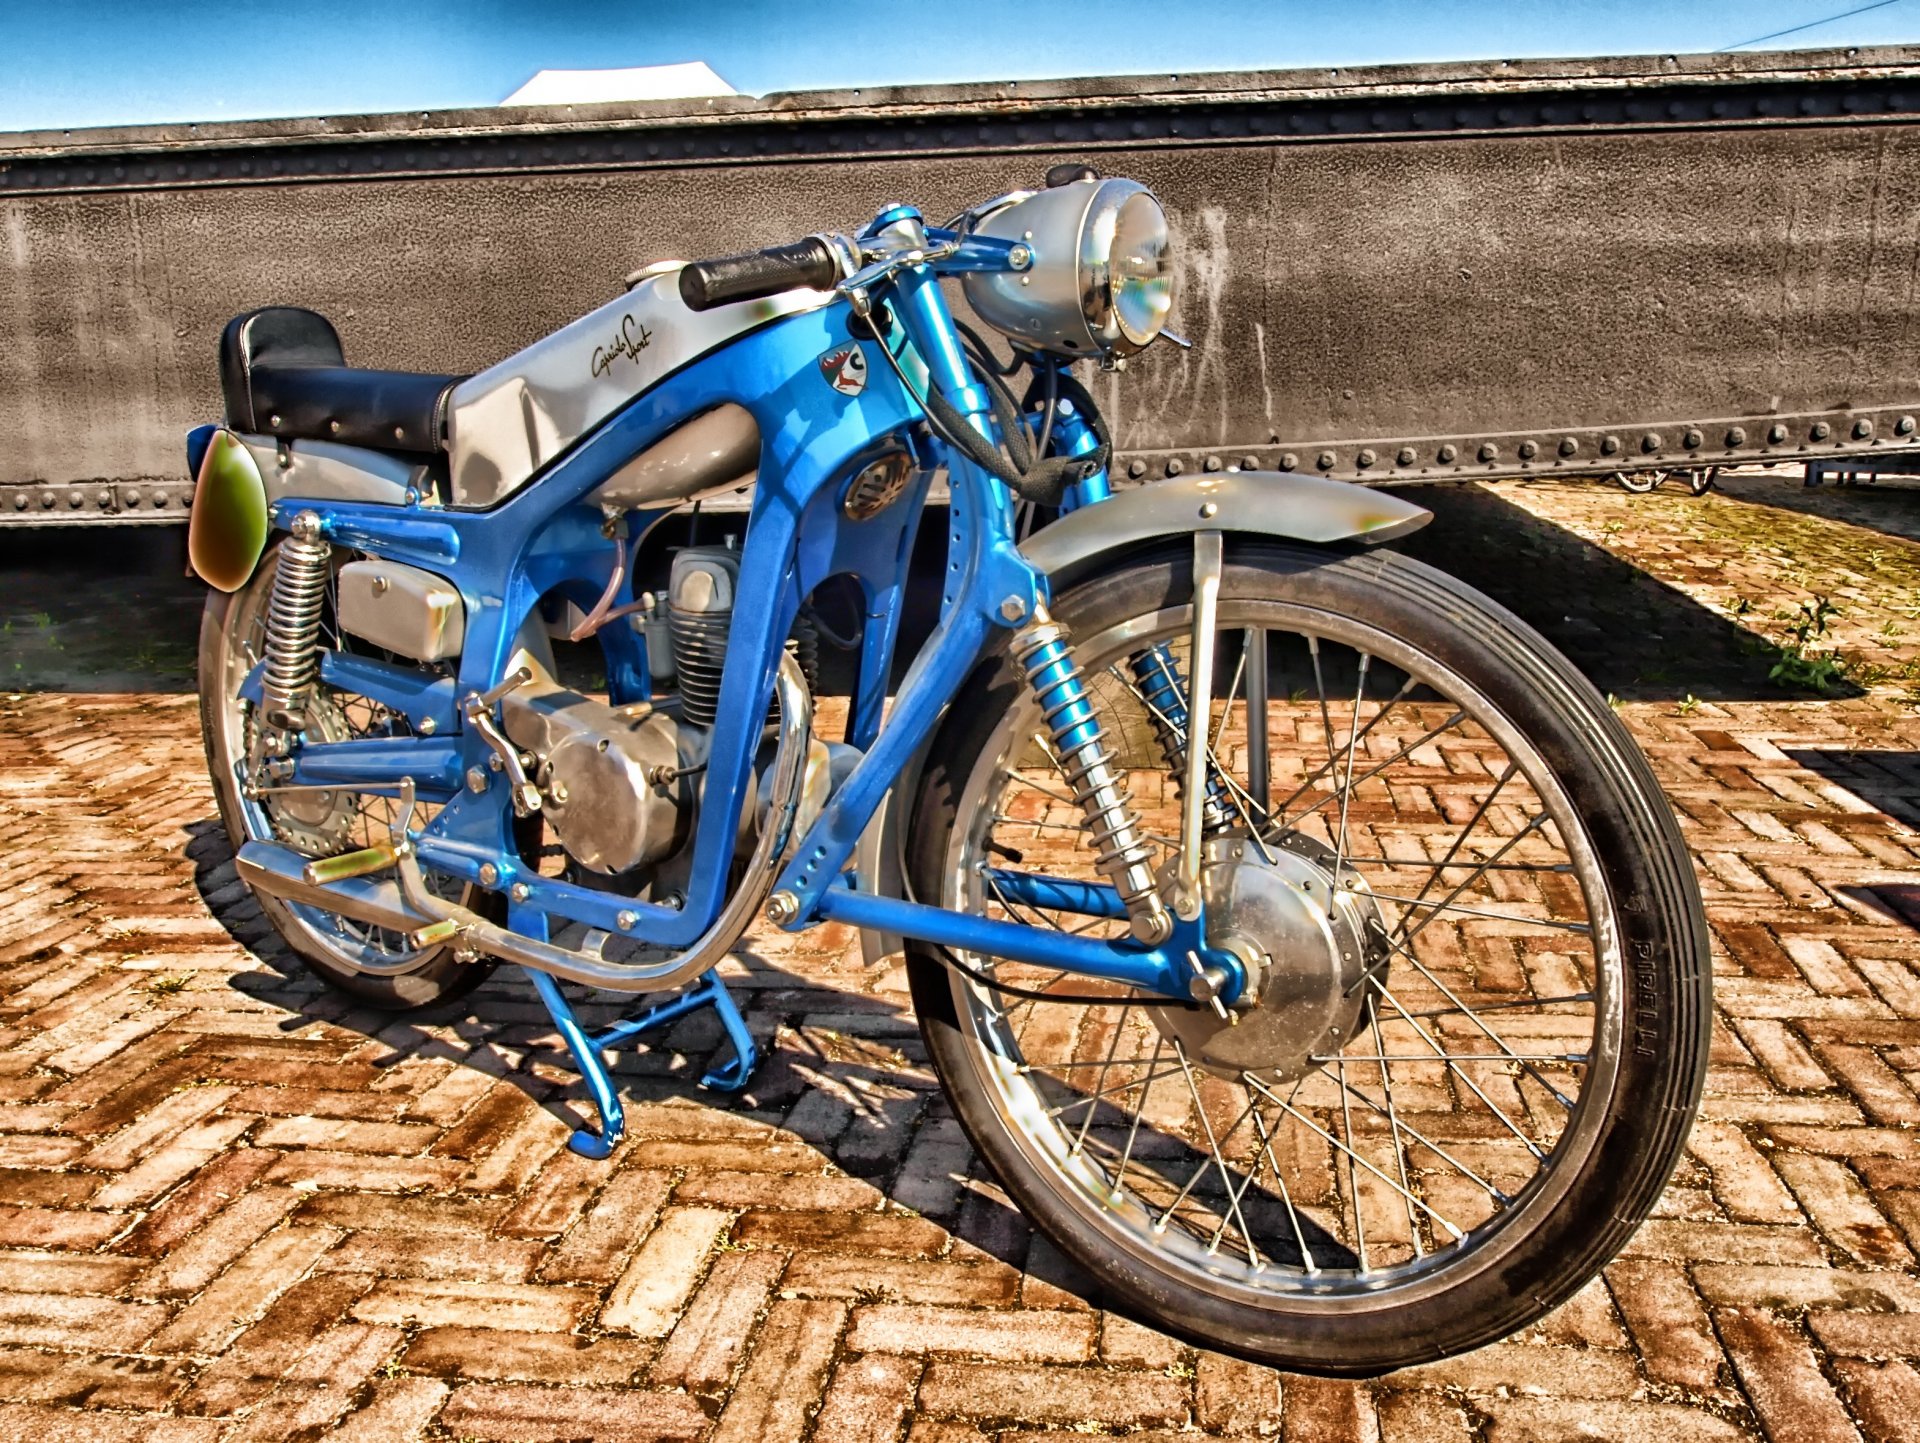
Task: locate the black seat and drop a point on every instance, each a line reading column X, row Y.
column 284, row 374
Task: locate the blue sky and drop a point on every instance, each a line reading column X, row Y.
column 70, row 64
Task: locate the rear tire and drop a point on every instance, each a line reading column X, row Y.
column 1650, row 985
column 418, row 978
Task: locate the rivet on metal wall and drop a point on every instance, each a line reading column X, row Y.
column 1213, row 463
column 1366, row 457
column 1776, row 434
column 1448, row 454
column 1821, row 430
column 1489, row 451
column 1176, row 466
column 1407, row 456
column 1650, row 442
column 1528, row 450
column 1692, row 439
column 1904, row 426
column 1325, row 460
column 1249, row 463
column 1288, row 461
column 1862, row 429
column 1569, row 446
column 1736, row 435
column 1136, row 468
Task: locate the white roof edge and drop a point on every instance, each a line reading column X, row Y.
column 689, row 80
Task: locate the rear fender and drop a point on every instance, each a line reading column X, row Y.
column 1311, row 509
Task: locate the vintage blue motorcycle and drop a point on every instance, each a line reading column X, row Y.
column 1301, row 941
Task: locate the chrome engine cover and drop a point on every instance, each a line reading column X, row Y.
column 595, row 766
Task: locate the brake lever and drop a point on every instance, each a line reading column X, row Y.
column 877, row 270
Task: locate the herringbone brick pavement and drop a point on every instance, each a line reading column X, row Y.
column 234, row 1207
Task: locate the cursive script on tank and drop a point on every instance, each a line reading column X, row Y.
column 630, row 342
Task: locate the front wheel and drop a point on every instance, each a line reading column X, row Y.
column 1480, row 1008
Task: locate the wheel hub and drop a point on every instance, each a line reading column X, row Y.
column 1307, row 945
column 316, row 823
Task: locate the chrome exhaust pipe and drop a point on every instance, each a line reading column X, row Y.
column 282, row 872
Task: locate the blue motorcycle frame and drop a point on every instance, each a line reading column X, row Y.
column 548, row 539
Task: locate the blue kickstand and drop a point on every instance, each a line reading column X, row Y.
column 587, row 1048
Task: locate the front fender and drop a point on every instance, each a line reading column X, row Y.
column 1270, row 503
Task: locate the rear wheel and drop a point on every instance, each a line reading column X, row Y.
column 371, row 964
column 1481, row 1023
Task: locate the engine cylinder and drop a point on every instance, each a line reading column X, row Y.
column 700, row 596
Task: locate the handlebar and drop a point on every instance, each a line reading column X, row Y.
column 809, row 263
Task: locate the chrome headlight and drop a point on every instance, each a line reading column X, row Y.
column 1101, row 280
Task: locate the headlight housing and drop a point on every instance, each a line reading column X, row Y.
column 1101, row 281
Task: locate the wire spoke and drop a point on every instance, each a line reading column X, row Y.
column 1560, row 867
column 1393, row 1122
column 1435, row 1148
column 1133, row 1132
column 1442, row 1055
column 1219, row 1161
column 1100, row 1082
column 1088, row 1099
column 1473, row 1017
column 1331, row 1140
column 1571, row 997
column 1353, row 1178
column 1580, row 928
column 1332, row 763
column 1286, row 1197
column 1371, row 772
column 1472, row 822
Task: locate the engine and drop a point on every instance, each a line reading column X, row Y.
column 621, row 785
column 616, row 783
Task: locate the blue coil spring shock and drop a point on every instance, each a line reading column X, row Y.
column 1164, row 690
column 1121, row 853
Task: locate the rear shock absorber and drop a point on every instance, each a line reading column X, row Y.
column 1163, row 689
column 293, row 623
column 1121, row 854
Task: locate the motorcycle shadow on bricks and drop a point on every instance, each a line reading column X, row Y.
column 1864, row 785
column 1634, row 636
column 843, row 1116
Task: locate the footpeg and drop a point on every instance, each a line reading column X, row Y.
column 352, row 864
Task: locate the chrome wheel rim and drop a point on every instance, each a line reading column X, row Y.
column 1431, row 1144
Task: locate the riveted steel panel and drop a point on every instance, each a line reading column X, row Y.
column 1391, row 273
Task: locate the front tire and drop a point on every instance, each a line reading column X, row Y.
column 1303, row 1228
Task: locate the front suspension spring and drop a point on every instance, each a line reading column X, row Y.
column 293, row 624
column 1157, row 672
column 1121, row 853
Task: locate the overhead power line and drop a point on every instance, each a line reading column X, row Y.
column 1810, row 25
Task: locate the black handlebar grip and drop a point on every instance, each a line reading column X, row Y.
column 810, row 262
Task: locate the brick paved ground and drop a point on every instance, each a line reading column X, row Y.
column 232, row 1207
